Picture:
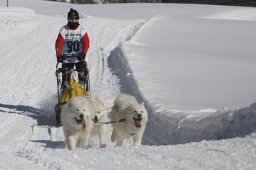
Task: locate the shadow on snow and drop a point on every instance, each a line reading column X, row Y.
column 42, row 120
column 51, row 144
column 37, row 114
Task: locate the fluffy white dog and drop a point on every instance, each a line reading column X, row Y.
column 130, row 119
column 78, row 117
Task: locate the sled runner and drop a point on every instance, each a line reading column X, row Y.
column 70, row 88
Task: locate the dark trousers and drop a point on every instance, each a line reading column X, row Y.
column 81, row 68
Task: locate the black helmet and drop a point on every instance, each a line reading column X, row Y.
column 73, row 13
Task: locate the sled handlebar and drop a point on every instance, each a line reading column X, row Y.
column 65, row 70
column 70, row 57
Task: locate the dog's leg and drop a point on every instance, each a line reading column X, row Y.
column 71, row 141
column 138, row 136
column 137, row 139
column 102, row 136
column 119, row 141
column 85, row 138
column 85, row 141
column 113, row 135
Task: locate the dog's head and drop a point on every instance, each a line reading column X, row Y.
column 137, row 114
column 78, row 112
column 99, row 116
column 98, row 107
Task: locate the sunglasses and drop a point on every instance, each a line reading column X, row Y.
column 73, row 18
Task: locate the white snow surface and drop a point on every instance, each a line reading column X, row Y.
column 192, row 65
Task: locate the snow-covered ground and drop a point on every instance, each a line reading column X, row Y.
column 193, row 66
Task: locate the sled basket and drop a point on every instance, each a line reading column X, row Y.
column 73, row 89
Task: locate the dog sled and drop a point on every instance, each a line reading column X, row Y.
column 71, row 87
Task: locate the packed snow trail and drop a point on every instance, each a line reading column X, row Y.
column 30, row 94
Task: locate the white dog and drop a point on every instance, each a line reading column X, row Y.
column 78, row 116
column 130, row 119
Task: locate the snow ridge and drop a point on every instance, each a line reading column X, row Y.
column 181, row 127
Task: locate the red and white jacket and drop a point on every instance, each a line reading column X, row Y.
column 72, row 41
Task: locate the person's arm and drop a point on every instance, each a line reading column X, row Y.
column 85, row 41
column 58, row 45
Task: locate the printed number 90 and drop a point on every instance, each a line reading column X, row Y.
column 73, row 46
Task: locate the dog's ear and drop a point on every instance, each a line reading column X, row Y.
column 129, row 106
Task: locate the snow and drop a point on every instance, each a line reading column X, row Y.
column 192, row 65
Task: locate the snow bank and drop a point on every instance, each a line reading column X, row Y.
column 169, row 127
column 242, row 14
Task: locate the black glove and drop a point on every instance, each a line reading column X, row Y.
column 59, row 59
column 81, row 56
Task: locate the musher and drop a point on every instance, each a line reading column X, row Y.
column 73, row 40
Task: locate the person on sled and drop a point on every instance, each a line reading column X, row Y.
column 73, row 40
